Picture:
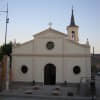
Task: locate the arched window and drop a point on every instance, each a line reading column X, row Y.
column 76, row 69
column 73, row 35
column 24, row 69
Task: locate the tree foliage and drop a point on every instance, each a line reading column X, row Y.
column 1, row 57
column 5, row 50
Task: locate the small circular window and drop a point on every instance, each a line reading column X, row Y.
column 50, row 45
column 24, row 69
column 76, row 70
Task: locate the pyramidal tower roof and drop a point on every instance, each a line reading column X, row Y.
column 72, row 21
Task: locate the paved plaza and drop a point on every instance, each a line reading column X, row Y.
column 46, row 92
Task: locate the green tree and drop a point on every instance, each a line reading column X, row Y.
column 1, row 57
column 6, row 50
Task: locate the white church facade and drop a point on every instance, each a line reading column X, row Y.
column 52, row 57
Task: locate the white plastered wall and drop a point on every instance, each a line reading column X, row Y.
column 18, row 61
column 41, row 62
column 70, row 63
column 35, row 55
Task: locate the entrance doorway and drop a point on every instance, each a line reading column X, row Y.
column 50, row 74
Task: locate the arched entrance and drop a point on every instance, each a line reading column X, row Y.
column 50, row 74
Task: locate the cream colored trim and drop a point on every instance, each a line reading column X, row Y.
column 49, row 29
column 23, row 44
column 54, row 55
column 72, row 26
column 84, row 45
column 50, row 37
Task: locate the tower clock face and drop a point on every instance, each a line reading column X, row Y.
column 50, row 45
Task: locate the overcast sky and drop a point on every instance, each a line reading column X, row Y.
column 28, row 17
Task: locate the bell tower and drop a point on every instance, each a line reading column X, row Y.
column 72, row 29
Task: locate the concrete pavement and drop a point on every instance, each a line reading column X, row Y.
column 18, row 92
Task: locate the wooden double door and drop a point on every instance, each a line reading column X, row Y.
column 50, row 74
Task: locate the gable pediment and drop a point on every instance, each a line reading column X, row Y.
column 50, row 33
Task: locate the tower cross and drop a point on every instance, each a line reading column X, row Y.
column 50, row 24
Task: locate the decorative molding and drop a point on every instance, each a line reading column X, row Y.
column 83, row 45
column 23, row 43
column 49, row 29
column 54, row 55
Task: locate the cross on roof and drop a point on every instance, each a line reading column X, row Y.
column 50, row 24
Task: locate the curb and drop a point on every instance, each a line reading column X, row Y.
column 45, row 97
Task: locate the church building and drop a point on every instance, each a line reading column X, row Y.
column 52, row 57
